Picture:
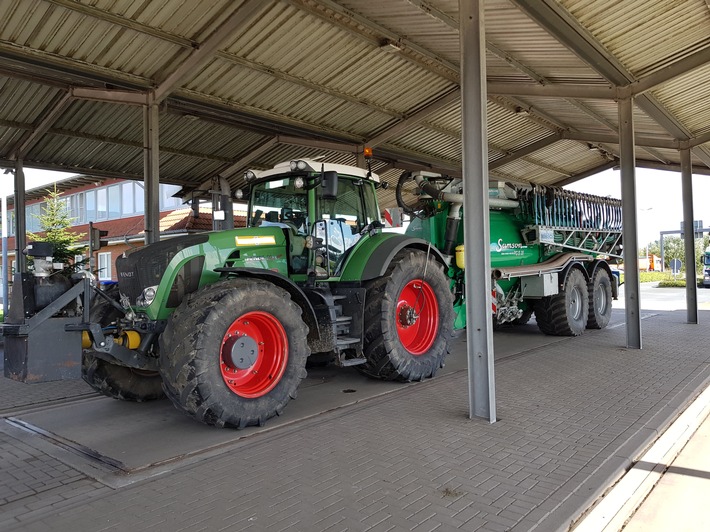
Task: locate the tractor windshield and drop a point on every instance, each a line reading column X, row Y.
column 707, row 259
column 279, row 202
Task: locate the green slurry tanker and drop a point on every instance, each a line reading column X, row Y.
column 550, row 250
column 224, row 323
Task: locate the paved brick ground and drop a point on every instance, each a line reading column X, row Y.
column 572, row 416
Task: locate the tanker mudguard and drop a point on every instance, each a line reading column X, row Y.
column 298, row 296
column 380, row 259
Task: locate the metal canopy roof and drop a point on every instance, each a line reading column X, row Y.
column 246, row 84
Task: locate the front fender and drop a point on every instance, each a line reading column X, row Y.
column 373, row 254
column 297, row 295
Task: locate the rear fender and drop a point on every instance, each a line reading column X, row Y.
column 372, row 258
column 565, row 273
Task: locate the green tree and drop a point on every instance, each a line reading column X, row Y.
column 54, row 222
column 673, row 248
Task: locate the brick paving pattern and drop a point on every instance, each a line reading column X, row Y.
column 571, row 416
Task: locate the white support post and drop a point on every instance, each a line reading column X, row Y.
column 628, row 197
column 151, row 173
column 691, row 290
column 479, row 325
column 20, row 218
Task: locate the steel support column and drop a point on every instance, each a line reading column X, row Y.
column 5, row 269
column 479, row 326
column 20, row 218
column 628, row 198
column 691, row 294
column 151, row 173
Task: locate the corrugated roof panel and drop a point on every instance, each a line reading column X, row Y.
column 509, row 29
column 639, row 35
column 687, row 98
column 25, row 102
column 282, row 97
column 107, row 120
column 203, row 136
column 413, row 23
column 309, row 49
column 427, row 141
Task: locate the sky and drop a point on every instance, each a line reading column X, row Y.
column 658, row 196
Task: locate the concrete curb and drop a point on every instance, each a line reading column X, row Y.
column 619, row 504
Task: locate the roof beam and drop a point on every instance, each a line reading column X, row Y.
column 567, row 90
column 109, row 96
column 674, row 70
column 670, row 167
column 611, row 138
column 206, row 51
column 419, row 116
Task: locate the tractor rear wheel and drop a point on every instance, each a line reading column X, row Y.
column 599, row 300
column 234, row 353
column 565, row 314
column 409, row 319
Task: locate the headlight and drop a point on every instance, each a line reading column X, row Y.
column 309, row 242
column 298, row 165
column 298, row 182
column 146, row 297
column 249, row 175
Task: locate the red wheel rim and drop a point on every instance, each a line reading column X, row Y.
column 253, row 354
column 417, row 317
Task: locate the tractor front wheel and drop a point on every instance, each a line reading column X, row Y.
column 409, row 318
column 120, row 382
column 234, row 353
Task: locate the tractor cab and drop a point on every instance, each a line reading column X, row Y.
column 323, row 210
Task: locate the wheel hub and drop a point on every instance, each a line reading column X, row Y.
column 240, row 352
column 407, row 316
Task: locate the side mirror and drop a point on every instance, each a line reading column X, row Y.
column 330, row 185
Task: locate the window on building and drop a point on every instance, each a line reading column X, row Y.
column 114, row 201
column 105, row 266
column 127, row 203
column 101, row 205
column 90, row 197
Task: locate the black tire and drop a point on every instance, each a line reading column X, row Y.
column 600, row 298
column 112, row 380
column 566, row 313
column 524, row 317
column 414, row 351
column 210, row 381
column 120, row 382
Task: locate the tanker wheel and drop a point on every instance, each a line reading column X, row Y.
column 599, row 300
column 409, row 319
column 565, row 314
column 120, row 382
column 234, row 353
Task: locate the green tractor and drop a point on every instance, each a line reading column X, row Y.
column 224, row 323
